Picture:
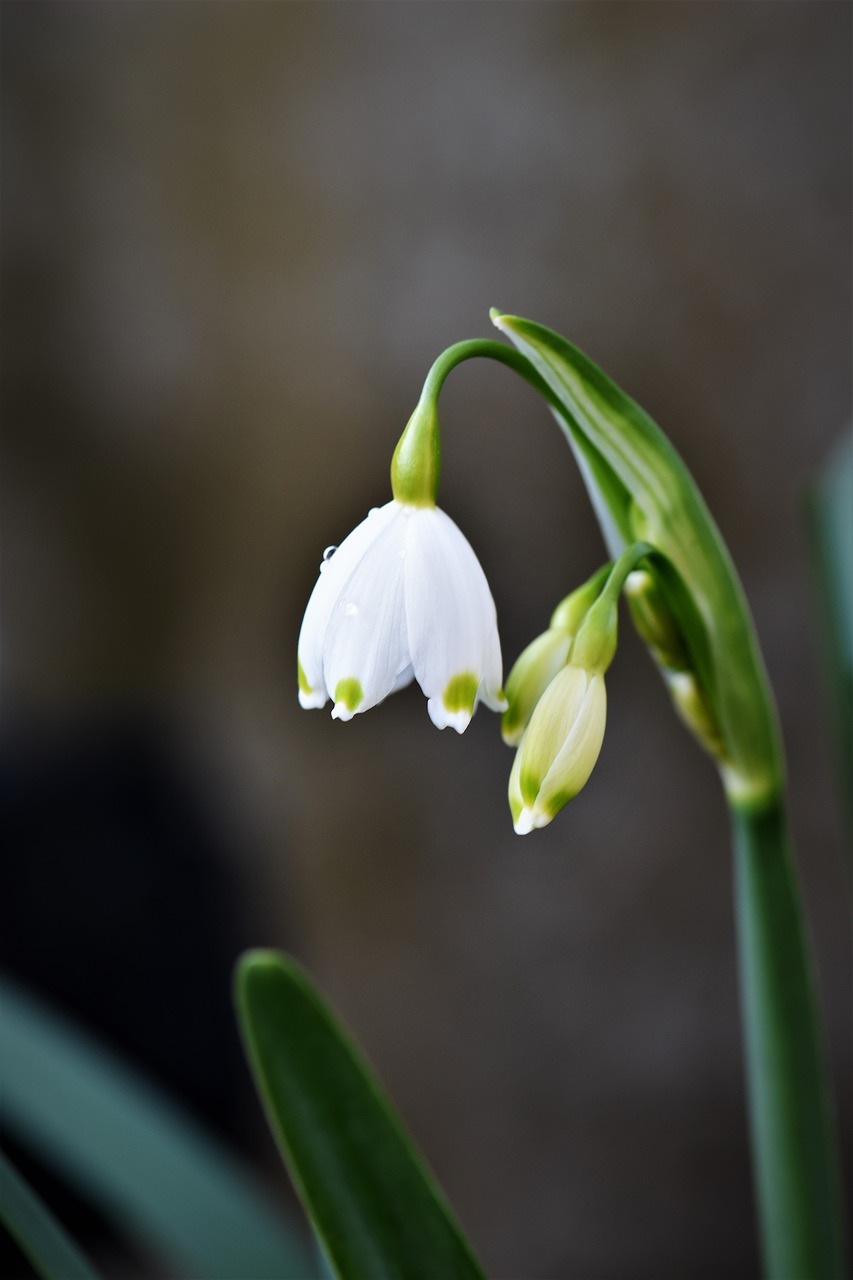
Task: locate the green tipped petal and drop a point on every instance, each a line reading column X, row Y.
column 349, row 696
column 461, row 693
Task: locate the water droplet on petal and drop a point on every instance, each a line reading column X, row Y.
column 351, row 609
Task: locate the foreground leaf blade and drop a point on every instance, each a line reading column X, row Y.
column 53, row 1254
column 371, row 1200
column 134, row 1153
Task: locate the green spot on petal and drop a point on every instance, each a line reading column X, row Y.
column 350, row 693
column 304, row 686
column 461, row 693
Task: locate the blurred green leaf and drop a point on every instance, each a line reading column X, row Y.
column 375, row 1207
column 53, row 1254
column 136, row 1154
column 831, row 521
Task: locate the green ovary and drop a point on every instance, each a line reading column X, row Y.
column 350, row 693
column 461, row 693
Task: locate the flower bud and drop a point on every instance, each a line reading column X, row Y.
column 595, row 646
column 696, row 711
column 537, row 665
column 559, row 749
column 531, row 675
column 654, row 622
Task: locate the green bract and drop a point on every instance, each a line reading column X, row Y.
column 641, row 489
column 416, row 464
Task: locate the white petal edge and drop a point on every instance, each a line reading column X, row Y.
column 366, row 631
column 331, row 582
column 450, row 616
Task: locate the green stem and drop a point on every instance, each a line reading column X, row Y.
column 796, row 1164
column 490, row 350
column 416, row 464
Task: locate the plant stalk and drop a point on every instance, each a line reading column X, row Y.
column 794, row 1152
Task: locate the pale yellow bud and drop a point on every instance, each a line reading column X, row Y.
column 559, row 749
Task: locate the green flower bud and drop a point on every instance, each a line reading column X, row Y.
column 531, row 674
column 570, row 613
column 516, row 800
column 595, row 646
column 696, row 712
column 654, row 622
column 559, row 749
column 536, row 667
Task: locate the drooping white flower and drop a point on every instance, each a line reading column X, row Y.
column 402, row 598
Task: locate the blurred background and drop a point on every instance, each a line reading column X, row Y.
column 234, row 237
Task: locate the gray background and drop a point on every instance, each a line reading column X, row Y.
column 234, row 238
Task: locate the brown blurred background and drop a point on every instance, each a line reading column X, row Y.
column 234, row 237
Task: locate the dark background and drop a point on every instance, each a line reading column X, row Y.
column 234, row 238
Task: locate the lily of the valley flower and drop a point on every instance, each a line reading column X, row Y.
column 402, row 598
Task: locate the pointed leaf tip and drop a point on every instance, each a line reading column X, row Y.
column 374, row 1205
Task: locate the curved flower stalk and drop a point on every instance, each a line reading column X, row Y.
column 403, row 598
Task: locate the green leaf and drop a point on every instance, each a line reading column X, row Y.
column 831, row 527
column 641, row 490
column 134, row 1153
column 53, row 1254
column 374, row 1206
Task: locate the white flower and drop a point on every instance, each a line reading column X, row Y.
column 402, row 598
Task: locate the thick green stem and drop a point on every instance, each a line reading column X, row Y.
column 795, row 1158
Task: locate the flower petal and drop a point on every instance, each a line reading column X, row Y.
column 365, row 648
column 451, row 620
column 334, row 575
